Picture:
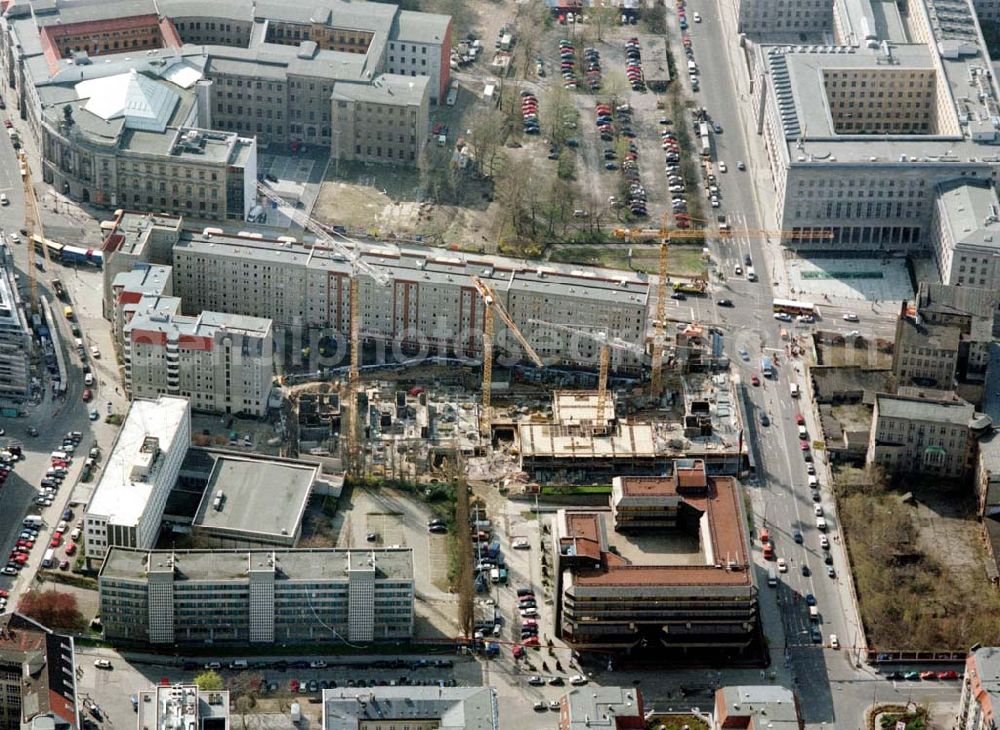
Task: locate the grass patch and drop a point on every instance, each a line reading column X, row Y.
column 585, row 489
column 910, row 598
column 69, row 579
column 676, row 722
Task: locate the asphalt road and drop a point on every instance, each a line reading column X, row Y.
column 833, row 691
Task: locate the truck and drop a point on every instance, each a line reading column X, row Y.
column 767, row 367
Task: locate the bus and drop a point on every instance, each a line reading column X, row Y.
column 790, row 306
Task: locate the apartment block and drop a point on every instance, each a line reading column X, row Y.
column 923, row 435
column 15, row 337
column 37, row 677
column 139, row 472
column 980, row 702
column 430, row 302
column 129, row 288
column 862, row 133
column 259, row 597
column 222, row 363
column 613, row 595
column 173, row 706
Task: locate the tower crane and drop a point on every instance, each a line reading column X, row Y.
column 32, row 223
column 492, row 304
column 358, row 267
column 666, row 234
column 607, row 343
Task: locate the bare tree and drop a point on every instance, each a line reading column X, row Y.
column 601, row 19
column 487, row 132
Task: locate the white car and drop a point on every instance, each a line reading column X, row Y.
column 722, row 166
column 520, row 543
column 783, row 316
column 318, row 664
column 850, row 317
column 102, row 663
column 782, row 565
column 853, row 333
column 818, row 510
column 530, row 611
column 834, row 642
column 577, row 679
column 94, row 352
column 3, row 199
column 697, row 17
column 824, row 542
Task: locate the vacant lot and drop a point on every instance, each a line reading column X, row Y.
column 919, row 564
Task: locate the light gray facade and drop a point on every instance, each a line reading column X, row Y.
column 327, row 595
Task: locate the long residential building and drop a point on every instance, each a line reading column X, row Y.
column 162, row 103
column 15, row 337
column 139, row 472
column 258, row 597
column 862, row 133
column 611, row 596
column 430, row 302
column 37, row 677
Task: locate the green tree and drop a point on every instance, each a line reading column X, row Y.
column 208, row 681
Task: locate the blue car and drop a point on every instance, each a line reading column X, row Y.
column 810, row 599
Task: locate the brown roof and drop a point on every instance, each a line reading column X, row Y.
column 726, row 530
column 583, row 531
column 648, row 487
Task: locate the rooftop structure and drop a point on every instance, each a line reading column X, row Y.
column 579, row 407
column 615, row 708
column 443, row 708
column 139, row 472
column 757, row 706
column 253, row 503
column 262, row 596
column 37, row 675
column 707, row 557
column 183, row 707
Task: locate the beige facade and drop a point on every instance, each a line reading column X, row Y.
column 912, row 435
column 881, row 101
column 979, row 705
column 380, row 125
column 925, row 354
column 770, row 19
column 965, row 233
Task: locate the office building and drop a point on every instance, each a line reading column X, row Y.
column 253, row 503
column 614, row 708
column 15, row 337
column 173, row 706
column 689, row 589
column 979, row 706
column 420, row 708
column 791, row 20
column 924, row 435
column 430, row 302
column 757, row 706
column 965, row 234
column 162, row 104
column 260, row 597
column 222, row 363
column 37, row 677
column 861, row 133
column 139, row 473
column 973, row 310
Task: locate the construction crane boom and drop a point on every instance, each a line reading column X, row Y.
column 490, row 305
column 604, row 363
column 358, row 266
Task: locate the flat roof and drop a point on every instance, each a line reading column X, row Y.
column 970, row 211
column 627, row 440
column 952, row 411
column 770, row 706
column 415, row 27
column 580, row 406
column 260, row 496
column 386, row 89
column 321, row 564
column 445, row 708
column 117, row 496
column 961, row 300
column 144, row 278
column 928, row 334
column 724, row 558
column 602, row 707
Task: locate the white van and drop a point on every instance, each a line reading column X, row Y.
column 794, row 387
column 821, row 524
column 813, row 482
column 772, row 577
column 814, row 613
column 692, row 67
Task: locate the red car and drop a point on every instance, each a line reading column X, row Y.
column 532, row 641
column 4, row 593
column 56, row 540
column 800, row 419
column 950, row 674
column 754, row 379
column 518, row 651
column 294, row 685
column 7, row 123
column 928, row 675
column 803, row 444
column 87, row 395
column 70, row 548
